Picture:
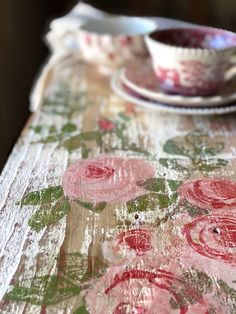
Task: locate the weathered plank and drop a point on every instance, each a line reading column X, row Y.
column 146, row 220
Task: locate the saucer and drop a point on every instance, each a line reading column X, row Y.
column 141, row 78
column 130, row 95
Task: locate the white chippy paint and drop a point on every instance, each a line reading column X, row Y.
column 35, row 166
column 87, row 241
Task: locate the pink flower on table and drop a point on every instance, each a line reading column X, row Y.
column 138, row 240
column 209, row 194
column 127, row 244
column 214, row 235
column 106, row 125
column 129, row 111
column 106, row 179
column 145, row 290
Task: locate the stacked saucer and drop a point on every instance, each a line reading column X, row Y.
column 191, row 72
column 137, row 83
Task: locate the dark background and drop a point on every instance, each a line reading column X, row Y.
column 22, row 51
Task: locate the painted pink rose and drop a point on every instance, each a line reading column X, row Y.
column 106, row 179
column 138, row 240
column 130, row 111
column 106, row 125
column 145, row 290
column 209, row 194
column 214, row 235
column 127, row 244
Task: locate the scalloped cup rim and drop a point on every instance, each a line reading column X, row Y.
column 177, row 49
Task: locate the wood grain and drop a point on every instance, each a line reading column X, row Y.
column 58, row 135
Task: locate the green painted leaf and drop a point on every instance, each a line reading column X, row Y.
column 90, row 136
column 230, row 294
column 120, row 132
column 199, row 283
column 60, row 289
column 124, row 117
column 52, row 129
column 85, row 151
column 134, row 148
column 79, row 140
column 24, row 294
column 69, row 127
column 43, row 196
column 163, row 201
column 212, row 149
column 196, row 138
column 73, row 266
column 172, row 163
column 81, row 310
column 33, row 198
column 199, row 140
column 173, row 184
column 72, row 143
column 211, row 164
column 66, row 102
column 173, row 198
column 96, row 208
column 177, row 147
column 49, row 214
column 195, row 211
column 153, row 184
column 159, row 185
column 51, row 139
column 148, row 202
column 37, row 128
column 46, row 290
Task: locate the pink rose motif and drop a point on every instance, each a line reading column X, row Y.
column 127, row 245
column 211, row 194
column 130, row 111
column 138, row 240
column 106, row 179
column 214, row 235
column 106, row 125
column 125, row 290
column 168, row 76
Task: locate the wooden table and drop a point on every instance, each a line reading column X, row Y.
column 109, row 208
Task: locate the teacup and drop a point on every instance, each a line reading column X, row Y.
column 191, row 61
column 112, row 42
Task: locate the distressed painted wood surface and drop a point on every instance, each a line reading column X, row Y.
column 107, row 208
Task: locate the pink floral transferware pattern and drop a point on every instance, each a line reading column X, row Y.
column 191, row 61
column 192, row 78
